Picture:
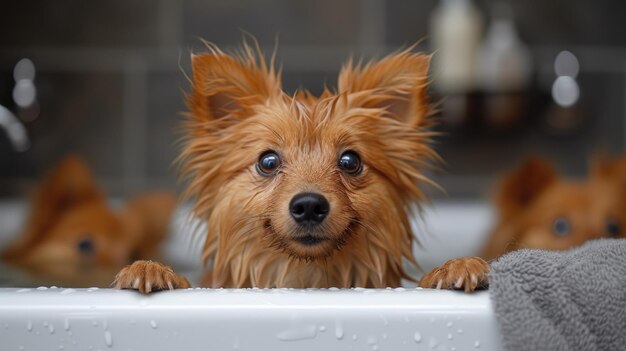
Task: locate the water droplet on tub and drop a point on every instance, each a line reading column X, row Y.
column 460, row 331
column 105, row 325
column 21, row 348
column 236, row 344
column 322, row 328
column 108, row 338
column 153, row 324
column 306, row 332
column 51, row 328
column 385, row 336
column 406, row 319
column 23, row 290
column 354, row 337
column 449, row 324
column 94, row 323
column 385, row 321
column 61, row 347
column 66, row 324
column 375, row 347
column 67, row 291
column 371, row 340
column 338, row 330
column 45, row 324
column 29, row 325
column 433, row 343
column 131, row 322
column 477, row 344
column 417, row 337
column 449, row 336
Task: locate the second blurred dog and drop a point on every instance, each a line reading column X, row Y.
column 72, row 236
column 539, row 209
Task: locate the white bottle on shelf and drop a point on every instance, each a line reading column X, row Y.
column 505, row 63
column 456, row 28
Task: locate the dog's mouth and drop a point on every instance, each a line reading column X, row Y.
column 310, row 245
column 309, row 240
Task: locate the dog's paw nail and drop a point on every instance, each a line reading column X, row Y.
column 474, row 280
column 459, row 283
column 439, row 284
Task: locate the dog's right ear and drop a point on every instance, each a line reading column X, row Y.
column 519, row 188
column 230, row 85
column 69, row 185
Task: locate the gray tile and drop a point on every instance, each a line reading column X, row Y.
column 325, row 22
column 114, row 23
column 79, row 113
column 165, row 102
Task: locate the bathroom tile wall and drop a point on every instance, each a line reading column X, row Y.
column 110, row 77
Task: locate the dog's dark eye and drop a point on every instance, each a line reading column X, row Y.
column 561, row 226
column 85, row 246
column 350, row 162
column 612, row 228
column 268, row 163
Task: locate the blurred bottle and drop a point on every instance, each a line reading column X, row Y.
column 456, row 28
column 505, row 67
column 564, row 117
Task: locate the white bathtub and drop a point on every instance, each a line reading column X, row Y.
column 279, row 319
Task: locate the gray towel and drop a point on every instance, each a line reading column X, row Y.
column 570, row 300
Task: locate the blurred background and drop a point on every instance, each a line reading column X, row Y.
column 108, row 78
column 105, row 79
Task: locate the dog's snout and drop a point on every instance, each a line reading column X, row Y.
column 309, row 209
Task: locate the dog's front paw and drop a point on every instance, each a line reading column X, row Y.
column 467, row 273
column 148, row 276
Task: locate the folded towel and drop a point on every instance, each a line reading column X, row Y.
column 569, row 300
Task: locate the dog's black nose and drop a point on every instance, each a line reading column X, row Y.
column 309, row 209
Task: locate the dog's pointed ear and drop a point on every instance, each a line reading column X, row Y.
column 605, row 167
column 523, row 185
column 397, row 84
column 223, row 84
column 69, row 185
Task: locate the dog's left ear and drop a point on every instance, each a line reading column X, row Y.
column 230, row 85
column 396, row 84
column 603, row 167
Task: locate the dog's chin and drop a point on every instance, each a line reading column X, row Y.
column 312, row 245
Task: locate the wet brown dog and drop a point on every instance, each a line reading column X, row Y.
column 303, row 191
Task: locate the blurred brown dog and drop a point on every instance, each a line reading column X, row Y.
column 306, row 191
column 538, row 209
column 72, row 236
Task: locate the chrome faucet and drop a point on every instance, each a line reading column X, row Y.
column 15, row 130
column 25, row 97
